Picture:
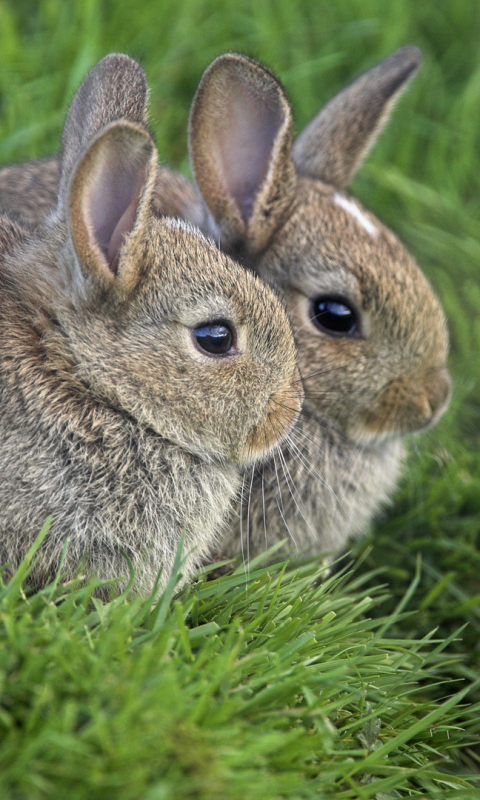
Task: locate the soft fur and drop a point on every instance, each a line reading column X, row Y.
column 363, row 393
column 113, row 421
column 283, row 211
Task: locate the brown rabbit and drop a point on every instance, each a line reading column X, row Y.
column 371, row 335
column 140, row 367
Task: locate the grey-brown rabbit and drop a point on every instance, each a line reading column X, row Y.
column 371, row 335
column 139, row 366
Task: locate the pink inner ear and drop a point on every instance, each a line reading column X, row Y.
column 246, row 129
column 113, row 199
column 122, row 229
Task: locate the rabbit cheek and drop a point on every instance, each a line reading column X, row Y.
column 331, row 370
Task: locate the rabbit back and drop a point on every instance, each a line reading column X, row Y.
column 28, row 192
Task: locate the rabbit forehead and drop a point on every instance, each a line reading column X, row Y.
column 190, row 276
column 327, row 245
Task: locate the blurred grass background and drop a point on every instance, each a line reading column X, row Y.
column 422, row 179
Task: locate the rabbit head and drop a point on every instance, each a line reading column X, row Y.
column 371, row 335
column 160, row 321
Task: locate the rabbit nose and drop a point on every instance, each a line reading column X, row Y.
column 439, row 392
column 427, row 398
column 410, row 403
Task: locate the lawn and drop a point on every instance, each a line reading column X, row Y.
column 276, row 684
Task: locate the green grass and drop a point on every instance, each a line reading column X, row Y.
column 275, row 697
column 276, row 687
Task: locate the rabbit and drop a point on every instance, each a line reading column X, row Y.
column 371, row 335
column 141, row 369
column 377, row 371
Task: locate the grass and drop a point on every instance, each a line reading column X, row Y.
column 259, row 691
column 279, row 687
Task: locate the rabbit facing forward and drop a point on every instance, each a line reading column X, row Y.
column 140, row 367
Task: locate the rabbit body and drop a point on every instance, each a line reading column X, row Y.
column 113, row 419
column 28, row 193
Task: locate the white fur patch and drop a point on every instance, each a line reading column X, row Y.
column 351, row 208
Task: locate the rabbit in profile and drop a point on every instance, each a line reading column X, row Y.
column 371, row 335
column 140, row 367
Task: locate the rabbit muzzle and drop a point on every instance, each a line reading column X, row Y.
column 408, row 404
column 282, row 411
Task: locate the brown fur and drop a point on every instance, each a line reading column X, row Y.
column 28, row 192
column 363, row 395
column 112, row 420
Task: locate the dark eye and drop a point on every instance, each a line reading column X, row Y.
column 215, row 338
column 335, row 316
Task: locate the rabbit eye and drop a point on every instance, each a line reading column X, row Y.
column 335, row 316
column 214, row 338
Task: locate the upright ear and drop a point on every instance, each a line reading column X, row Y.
column 333, row 146
column 240, row 149
column 115, row 89
column 108, row 206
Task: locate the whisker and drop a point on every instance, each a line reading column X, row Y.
column 248, row 521
column 241, row 520
column 321, row 371
column 294, row 491
column 312, row 471
column 308, row 415
column 280, row 507
column 263, row 497
column 322, row 392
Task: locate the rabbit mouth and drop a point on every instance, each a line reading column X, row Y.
column 354, row 438
column 409, row 405
column 360, row 435
column 397, row 427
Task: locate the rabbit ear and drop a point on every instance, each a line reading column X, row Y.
column 333, row 146
column 109, row 205
column 115, row 89
column 240, row 148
